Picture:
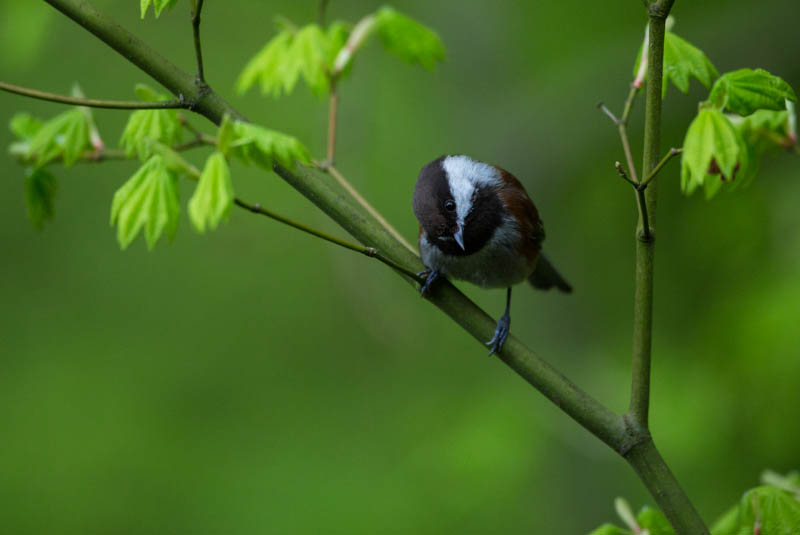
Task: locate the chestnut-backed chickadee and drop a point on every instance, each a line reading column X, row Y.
column 478, row 224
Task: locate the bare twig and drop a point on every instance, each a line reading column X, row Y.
column 94, row 103
column 367, row 251
column 197, row 7
column 652, row 174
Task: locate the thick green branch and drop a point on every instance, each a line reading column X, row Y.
column 595, row 417
column 644, row 458
column 91, row 102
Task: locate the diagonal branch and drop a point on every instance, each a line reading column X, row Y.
column 93, row 103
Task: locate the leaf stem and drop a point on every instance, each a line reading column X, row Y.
column 197, row 7
column 93, row 103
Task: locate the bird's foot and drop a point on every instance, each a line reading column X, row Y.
column 500, row 334
column 430, row 276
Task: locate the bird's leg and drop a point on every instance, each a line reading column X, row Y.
column 503, row 325
column 430, row 276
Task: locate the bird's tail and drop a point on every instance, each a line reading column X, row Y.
column 545, row 276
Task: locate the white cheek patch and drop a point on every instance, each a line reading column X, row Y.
column 465, row 176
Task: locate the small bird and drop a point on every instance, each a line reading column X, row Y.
column 478, row 224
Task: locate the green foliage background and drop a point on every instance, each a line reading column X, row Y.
column 255, row 380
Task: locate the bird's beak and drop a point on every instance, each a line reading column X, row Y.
column 459, row 237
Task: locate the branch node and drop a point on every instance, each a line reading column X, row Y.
column 645, row 235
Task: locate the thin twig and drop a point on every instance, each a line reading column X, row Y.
column 622, row 128
column 197, row 7
column 94, row 103
column 624, row 175
column 602, row 107
column 672, row 152
column 18, row 151
column 367, row 251
column 366, row 205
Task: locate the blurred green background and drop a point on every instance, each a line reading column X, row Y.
column 256, row 380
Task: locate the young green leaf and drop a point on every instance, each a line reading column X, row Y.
column 225, row 134
column 712, row 147
column 774, row 510
column 683, row 60
column 337, row 32
column 270, row 68
column 24, row 126
column 654, row 522
column 158, row 6
column 610, row 529
column 263, row 146
column 40, row 191
column 146, row 127
column 213, row 196
column 747, row 90
column 310, row 50
column 409, row 40
column 149, row 200
column 65, row 135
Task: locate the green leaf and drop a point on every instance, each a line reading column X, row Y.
column 338, row 32
column 311, row 52
column 711, row 151
column 764, row 130
column 747, row 90
column 610, row 529
column 158, row 6
column 149, row 201
column 654, row 522
column 308, row 53
column 24, row 126
column 263, row 146
column 271, row 68
column 225, row 134
column 683, row 60
column 40, row 191
column 728, row 523
column 146, row 127
column 775, row 510
column 213, row 196
column 409, row 40
column 65, row 135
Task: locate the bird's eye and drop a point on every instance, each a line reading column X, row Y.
column 449, row 205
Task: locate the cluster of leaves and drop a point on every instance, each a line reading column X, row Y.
column 748, row 113
column 148, row 202
column 771, row 509
column 158, row 6
column 725, row 147
column 149, row 199
column 66, row 137
column 313, row 53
